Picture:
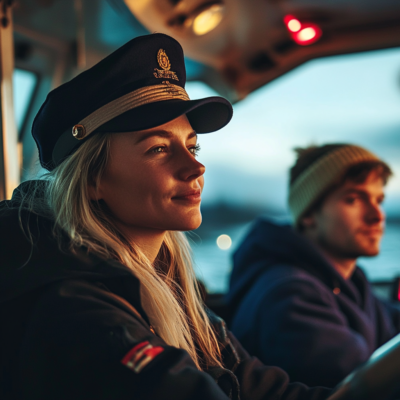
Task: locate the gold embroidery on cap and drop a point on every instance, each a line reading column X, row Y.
column 171, row 88
column 78, row 132
column 165, row 64
column 163, row 60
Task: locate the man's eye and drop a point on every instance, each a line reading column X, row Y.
column 195, row 150
column 350, row 200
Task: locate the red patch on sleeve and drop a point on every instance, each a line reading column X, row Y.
column 140, row 355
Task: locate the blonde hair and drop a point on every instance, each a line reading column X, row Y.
column 169, row 290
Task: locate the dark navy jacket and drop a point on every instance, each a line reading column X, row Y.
column 292, row 309
column 73, row 327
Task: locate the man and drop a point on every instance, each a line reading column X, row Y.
column 298, row 299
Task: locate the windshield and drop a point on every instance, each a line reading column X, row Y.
column 351, row 98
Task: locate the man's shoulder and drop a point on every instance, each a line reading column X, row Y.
column 285, row 273
column 294, row 281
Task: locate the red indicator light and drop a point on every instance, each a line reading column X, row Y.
column 294, row 25
column 302, row 34
column 307, row 34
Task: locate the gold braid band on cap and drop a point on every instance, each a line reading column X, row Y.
column 137, row 98
column 307, row 188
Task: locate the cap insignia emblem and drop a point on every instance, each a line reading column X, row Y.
column 163, row 60
column 165, row 64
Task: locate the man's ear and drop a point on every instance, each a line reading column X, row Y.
column 308, row 221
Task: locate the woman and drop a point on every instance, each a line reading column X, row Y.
column 98, row 292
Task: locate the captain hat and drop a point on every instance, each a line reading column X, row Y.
column 139, row 86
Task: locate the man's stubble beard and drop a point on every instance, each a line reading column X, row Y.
column 350, row 250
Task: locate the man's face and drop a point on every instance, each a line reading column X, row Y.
column 350, row 222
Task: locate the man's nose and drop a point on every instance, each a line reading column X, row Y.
column 375, row 213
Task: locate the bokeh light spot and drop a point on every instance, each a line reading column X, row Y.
column 224, row 242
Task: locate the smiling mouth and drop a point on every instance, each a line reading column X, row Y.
column 192, row 196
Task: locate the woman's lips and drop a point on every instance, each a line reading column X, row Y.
column 192, row 196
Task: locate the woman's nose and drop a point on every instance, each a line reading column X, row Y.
column 190, row 168
column 195, row 171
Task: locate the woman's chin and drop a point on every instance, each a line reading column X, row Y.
column 189, row 225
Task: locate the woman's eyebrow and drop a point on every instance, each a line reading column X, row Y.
column 161, row 133
column 192, row 134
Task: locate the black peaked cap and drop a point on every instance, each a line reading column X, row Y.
column 143, row 63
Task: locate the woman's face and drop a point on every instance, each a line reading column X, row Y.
column 153, row 180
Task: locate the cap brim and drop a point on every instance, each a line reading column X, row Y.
column 205, row 115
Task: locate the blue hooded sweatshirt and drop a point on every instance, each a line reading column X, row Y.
column 292, row 309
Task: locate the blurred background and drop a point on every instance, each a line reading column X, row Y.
column 299, row 72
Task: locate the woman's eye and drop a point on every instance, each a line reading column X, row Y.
column 195, row 150
column 160, row 149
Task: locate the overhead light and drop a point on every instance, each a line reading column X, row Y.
column 302, row 33
column 207, row 19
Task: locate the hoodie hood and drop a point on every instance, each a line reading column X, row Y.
column 30, row 254
column 269, row 244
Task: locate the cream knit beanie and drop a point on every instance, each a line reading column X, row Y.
column 320, row 175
